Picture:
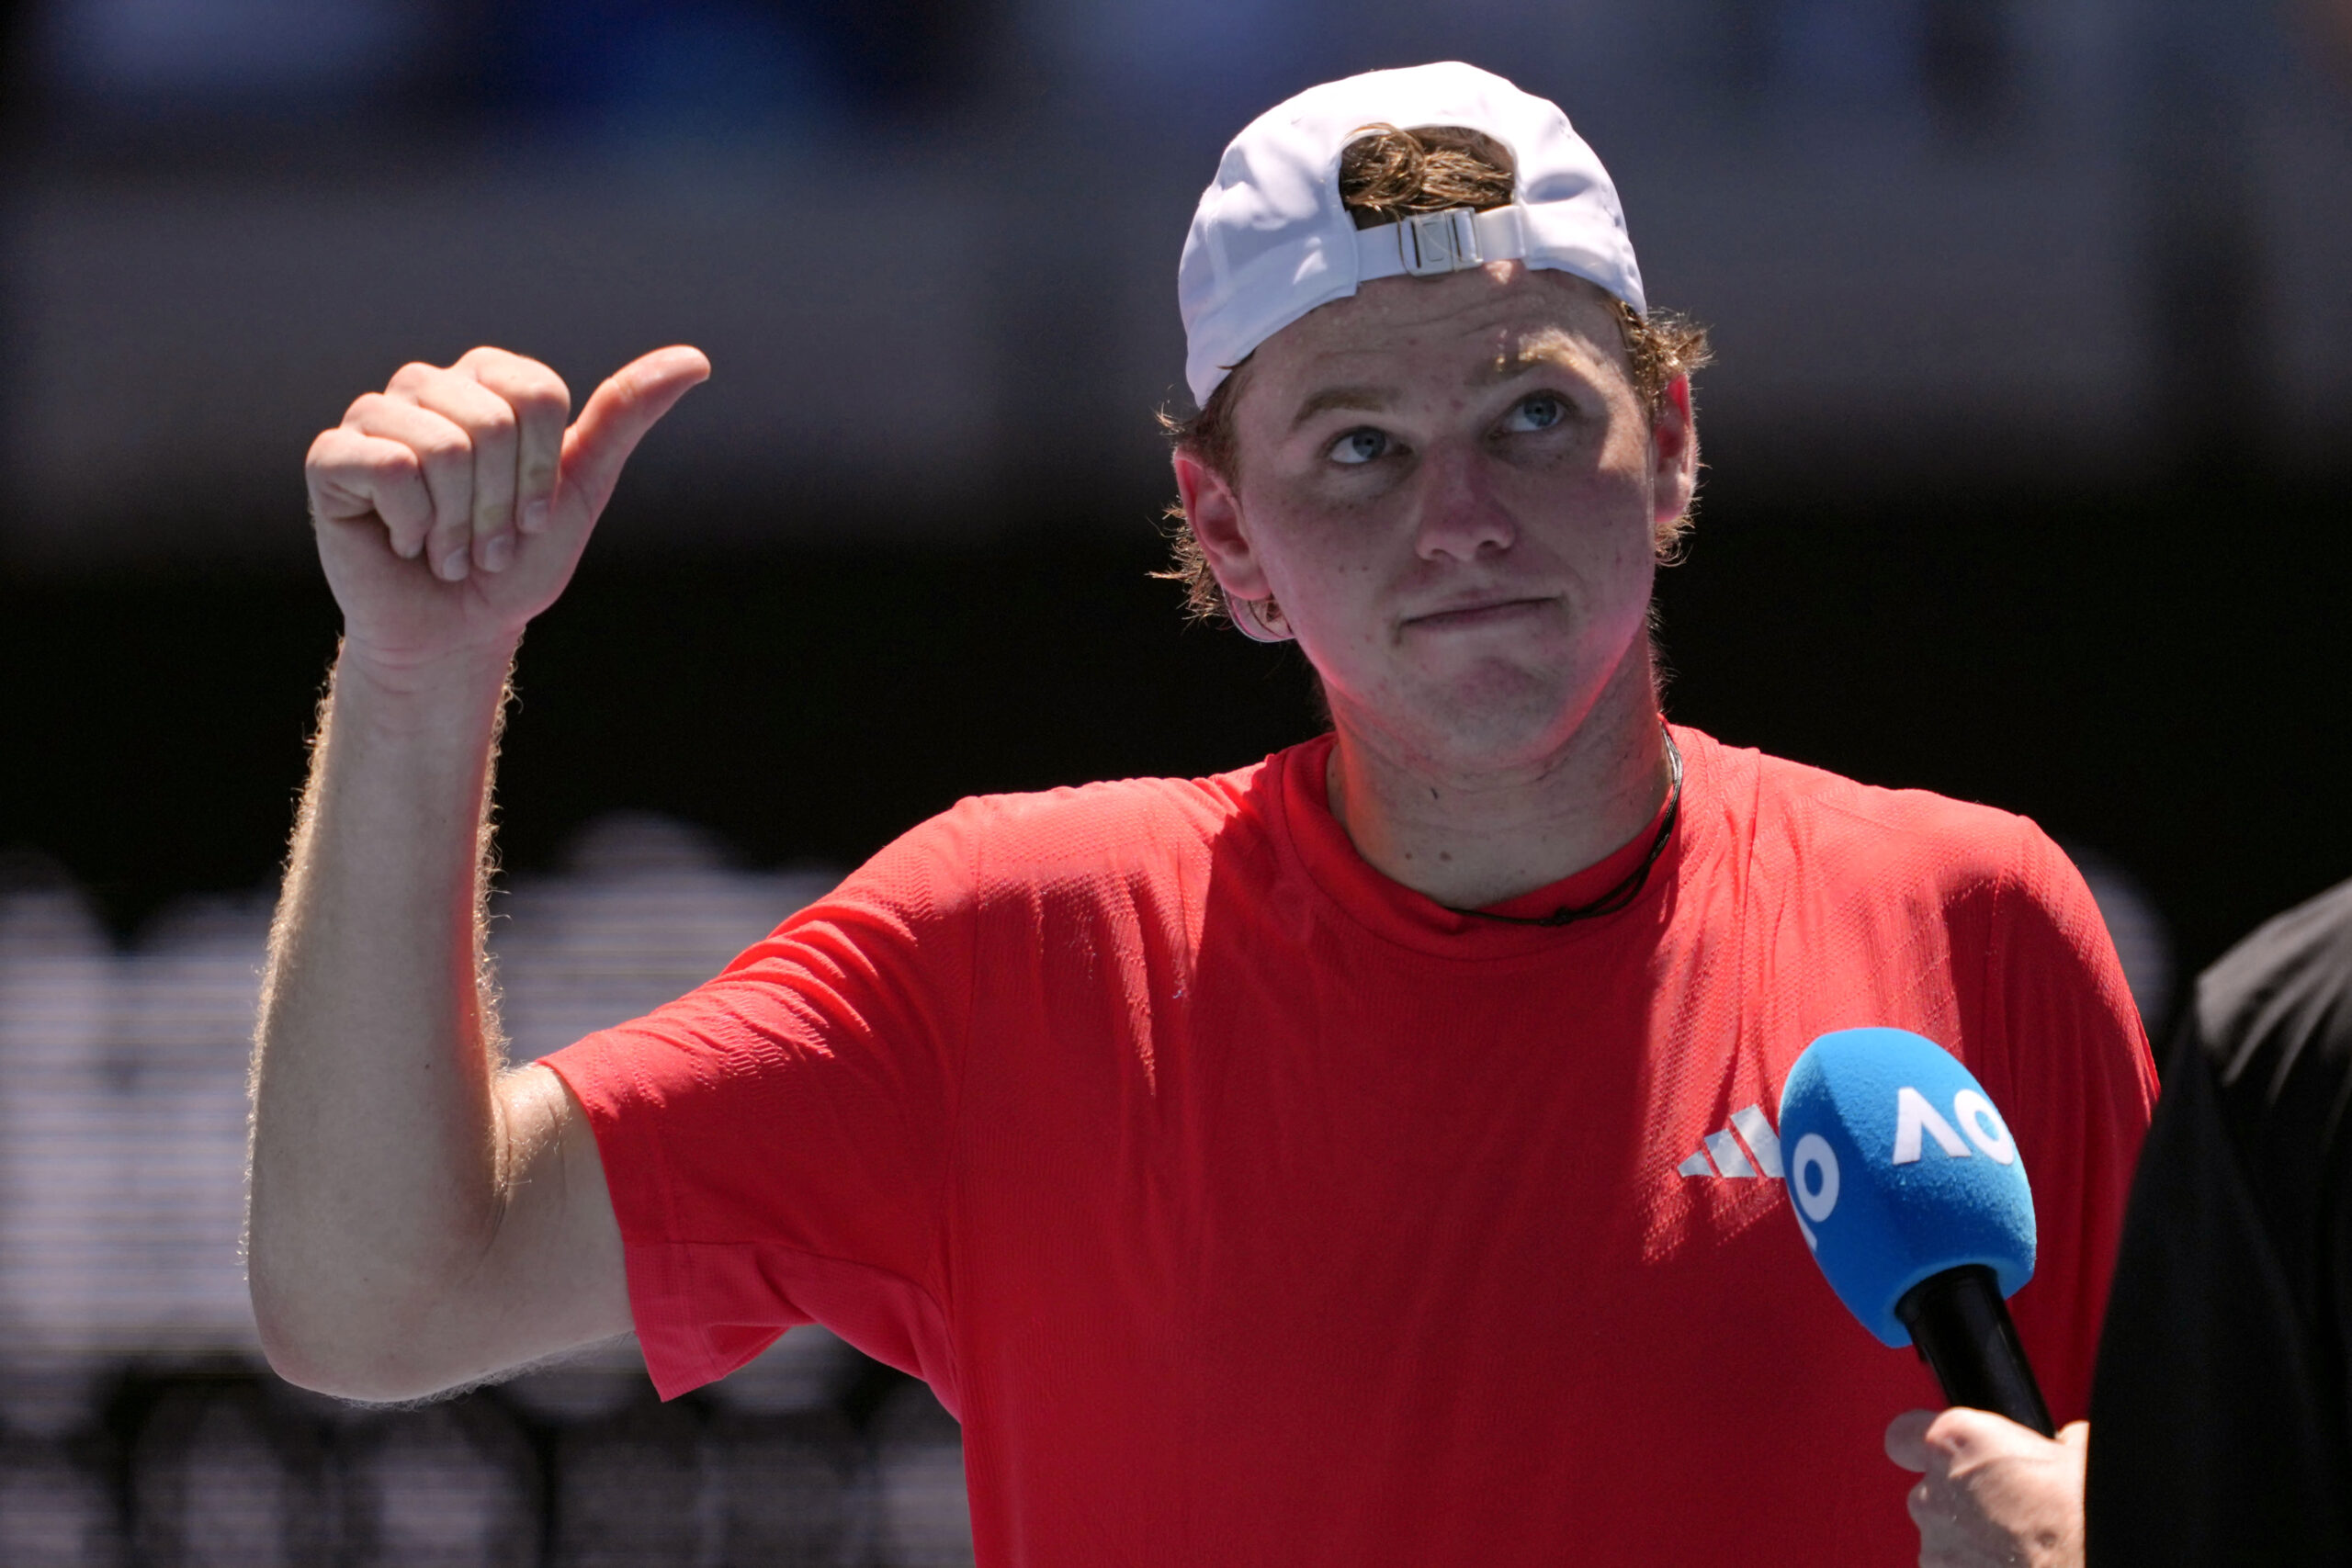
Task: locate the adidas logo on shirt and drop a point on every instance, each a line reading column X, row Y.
column 1728, row 1152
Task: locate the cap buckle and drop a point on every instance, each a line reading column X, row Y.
column 1434, row 244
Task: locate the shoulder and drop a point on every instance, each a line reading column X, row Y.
column 1098, row 822
column 1895, row 860
column 1105, row 825
column 1095, row 836
column 1830, row 822
column 2284, row 989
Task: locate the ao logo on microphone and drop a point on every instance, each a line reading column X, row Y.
column 1814, row 1178
column 1899, row 1167
column 1914, row 1116
column 1813, row 1171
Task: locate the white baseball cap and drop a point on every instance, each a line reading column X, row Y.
column 1270, row 239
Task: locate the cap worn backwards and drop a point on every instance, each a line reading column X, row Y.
column 1271, row 240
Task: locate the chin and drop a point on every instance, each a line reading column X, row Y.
column 1471, row 713
column 1479, row 731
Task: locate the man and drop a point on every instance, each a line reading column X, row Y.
column 1354, row 1159
column 2222, row 1399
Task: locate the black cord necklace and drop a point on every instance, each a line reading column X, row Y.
column 1626, row 891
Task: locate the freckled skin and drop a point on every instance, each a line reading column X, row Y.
column 1451, row 487
column 1464, row 505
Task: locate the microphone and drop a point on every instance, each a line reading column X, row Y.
column 1908, row 1187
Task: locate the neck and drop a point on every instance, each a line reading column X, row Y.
column 1469, row 836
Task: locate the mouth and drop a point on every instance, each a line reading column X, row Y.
column 1479, row 613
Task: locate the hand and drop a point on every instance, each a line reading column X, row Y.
column 452, row 506
column 1991, row 1491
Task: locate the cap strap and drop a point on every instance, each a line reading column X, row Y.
column 1426, row 244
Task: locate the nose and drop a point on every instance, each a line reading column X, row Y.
column 1461, row 514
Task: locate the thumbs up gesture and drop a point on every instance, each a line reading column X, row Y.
column 452, row 506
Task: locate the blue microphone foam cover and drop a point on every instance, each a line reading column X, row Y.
column 1898, row 1168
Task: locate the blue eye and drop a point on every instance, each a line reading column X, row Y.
column 1359, row 447
column 1540, row 411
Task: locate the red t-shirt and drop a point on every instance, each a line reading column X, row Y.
column 1249, row 1207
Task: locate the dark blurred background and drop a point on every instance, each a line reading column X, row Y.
column 2028, row 446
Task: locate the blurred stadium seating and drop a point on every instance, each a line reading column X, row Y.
column 134, row 1413
column 1933, row 236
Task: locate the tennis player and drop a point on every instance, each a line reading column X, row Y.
column 1361, row 1157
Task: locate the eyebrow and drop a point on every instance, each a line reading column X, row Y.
column 1554, row 347
column 1372, row 398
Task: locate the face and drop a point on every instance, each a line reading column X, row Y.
column 1451, row 488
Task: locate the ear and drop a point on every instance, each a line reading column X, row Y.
column 1674, row 454
column 1213, row 507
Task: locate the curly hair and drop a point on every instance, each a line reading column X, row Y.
column 1384, row 176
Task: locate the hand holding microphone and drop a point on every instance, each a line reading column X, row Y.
column 1991, row 1493
column 1909, row 1190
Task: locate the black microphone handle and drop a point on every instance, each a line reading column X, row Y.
column 1962, row 1329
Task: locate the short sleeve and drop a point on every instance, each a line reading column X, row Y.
column 2073, row 1076
column 778, row 1141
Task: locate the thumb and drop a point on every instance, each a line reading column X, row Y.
column 2075, row 1435
column 1906, row 1439
column 619, row 412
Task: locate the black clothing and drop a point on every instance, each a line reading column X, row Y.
column 2220, row 1409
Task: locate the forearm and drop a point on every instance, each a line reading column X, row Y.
column 377, row 1140
column 417, row 1221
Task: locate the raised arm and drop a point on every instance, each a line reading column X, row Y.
column 422, row 1218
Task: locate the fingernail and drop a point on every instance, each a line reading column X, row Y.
column 535, row 517
column 496, row 553
column 453, row 565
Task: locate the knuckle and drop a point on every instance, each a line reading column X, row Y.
column 538, row 379
column 1952, row 1430
column 442, row 449
column 623, row 387
column 521, row 379
column 546, row 399
column 492, row 423
column 415, row 373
